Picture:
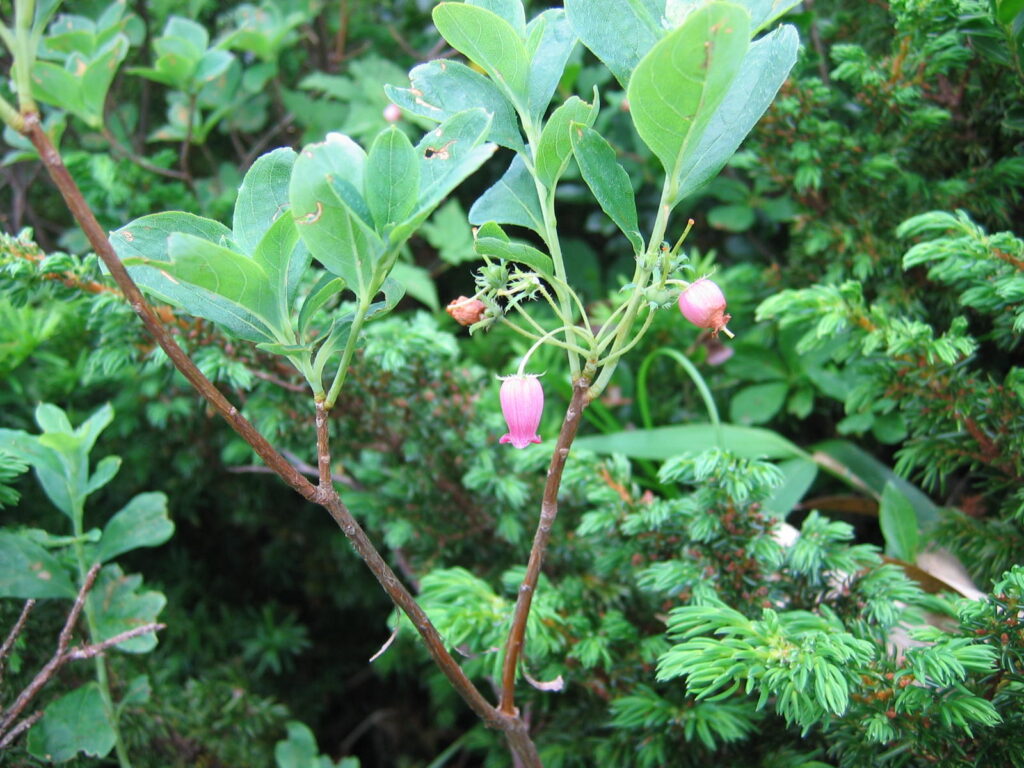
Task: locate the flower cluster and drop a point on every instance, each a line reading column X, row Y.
column 522, row 397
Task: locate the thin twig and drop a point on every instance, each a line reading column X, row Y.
column 548, row 512
column 12, row 636
column 20, row 728
column 142, row 162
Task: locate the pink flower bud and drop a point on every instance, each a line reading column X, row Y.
column 466, row 311
column 392, row 113
column 703, row 304
column 522, row 401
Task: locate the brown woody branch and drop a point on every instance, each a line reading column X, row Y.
column 324, row 495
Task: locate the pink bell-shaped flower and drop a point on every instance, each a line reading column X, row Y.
column 703, row 304
column 522, row 401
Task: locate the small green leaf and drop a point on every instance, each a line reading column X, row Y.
column 29, row 571
column 106, row 470
column 492, row 241
column 118, row 604
column 441, row 89
column 618, row 33
column 511, row 11
column 678, row 85
column 262, row 198
column 418, row 283
column 899, row 524
column 511, row 200
column 758, row 403
column 50, row 470
column 489, row 41
column 139, row 691
column 765, row 67
column 326, row 288
column 550, row 40
column 392, row 178
column 332, row 218
column 52, row 418
column 334, row 343
column 731, row 218
column 225, row 272
column 607, row 180
column 448, row 154
column 393, row 292
column 555, row 146
column 142, row 522
column 764, row 12
column 285, row 258
column 1007, row 10
column 76, row 722
column 145, row 242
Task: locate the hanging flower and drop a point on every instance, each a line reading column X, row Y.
column 703, row 304
column 522, row 401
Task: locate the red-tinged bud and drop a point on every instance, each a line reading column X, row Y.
column 522, row 402
column 703, row 304
column 466, row 311
column 392, row 113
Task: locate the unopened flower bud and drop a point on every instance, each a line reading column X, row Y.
column 392, row 113
column 522, row 402
column 703, row 304
column 466, row 311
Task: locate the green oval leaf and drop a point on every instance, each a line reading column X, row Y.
column 607, row 180
column 679, row 84
column 489, row 41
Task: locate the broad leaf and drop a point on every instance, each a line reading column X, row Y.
column 262, row 198
column 118, row 604
column 285, row 258
column 798, row 475
column 676, row 88
column 447, row 155
column 665, row 442
column 391, row 184
column 607, row 180
column 511, row 200
column 146, row 241
column 330, row 213
column 142, row 522
column 29, row 571
column 899, row 524
column 550, row 40
column 417, row 282
column 76, row 722
column 857, row 466
column 764, row 69
column 50, row 470
column 764, row 12
column 511, row 11
column 489, row 41
column 492, row 241
column 326, row 288
column 619, row 33
column 441, row 89
column 225, row 272
column 106, row 470
column 555, row 147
